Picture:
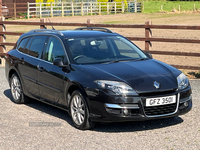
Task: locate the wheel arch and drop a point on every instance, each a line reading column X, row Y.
column 73, row 87
column 11, row 72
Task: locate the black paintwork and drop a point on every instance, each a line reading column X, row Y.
column 53, row 84
column 140, row 75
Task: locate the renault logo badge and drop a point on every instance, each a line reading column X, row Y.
column 156, row 84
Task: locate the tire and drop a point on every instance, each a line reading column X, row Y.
column 17, row 90
column 79, row 112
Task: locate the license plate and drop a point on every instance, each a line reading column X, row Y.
column 160, row 101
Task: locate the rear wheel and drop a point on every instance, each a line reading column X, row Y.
column 79, row 111
column 16, row 90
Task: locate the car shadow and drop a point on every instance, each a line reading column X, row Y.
column 48, row 109
column 104, row 127
column 137, row 125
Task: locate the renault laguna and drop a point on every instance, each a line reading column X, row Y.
column 96, row 75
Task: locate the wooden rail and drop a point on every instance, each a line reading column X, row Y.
column 147, row 38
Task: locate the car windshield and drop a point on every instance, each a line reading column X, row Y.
column 103, row 49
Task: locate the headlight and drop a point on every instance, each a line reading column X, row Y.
column 119, row 88
column 182, row 81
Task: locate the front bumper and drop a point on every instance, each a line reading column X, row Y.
column 134, row 108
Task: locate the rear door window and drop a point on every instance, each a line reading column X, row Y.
column 36, row 46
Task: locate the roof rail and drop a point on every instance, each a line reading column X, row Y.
column 47, row 30
column 95, row 28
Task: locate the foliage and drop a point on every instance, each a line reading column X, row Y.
column 195, row 74
column 103, row 4
column 118, row 4
column 45, row 1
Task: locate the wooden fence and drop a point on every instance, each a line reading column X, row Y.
column 15, row 10
column 147, row 36
column 40, row 10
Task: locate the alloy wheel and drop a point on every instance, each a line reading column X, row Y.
column 77, row 110
column 16, row 88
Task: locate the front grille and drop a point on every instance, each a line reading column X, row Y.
column 160, row 110
column 170, row 92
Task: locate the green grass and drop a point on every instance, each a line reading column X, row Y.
column 168, row 6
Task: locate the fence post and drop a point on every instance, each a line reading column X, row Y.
column 51, row 9
column 42, row 25
column 148, row 34
column 62, row 9
column 40, row 10
column 72, row 5
column 28, row 11
column 107, row 8
column 2, row 39
column 115, row 7
column 99, row 8
column 88, row 22
column 135, row 6
column 91, row 8
column 122, row 7
column 82, row 8
column 15, row 12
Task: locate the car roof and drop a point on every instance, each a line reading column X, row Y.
column 68, row 34
column 72, row 33
column 85, row 33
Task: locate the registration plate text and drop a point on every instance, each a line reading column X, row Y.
column 160, row 101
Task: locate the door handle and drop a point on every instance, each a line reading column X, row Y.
column 40, row 68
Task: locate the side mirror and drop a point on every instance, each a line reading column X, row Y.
column 59, row 62
column 148, row 55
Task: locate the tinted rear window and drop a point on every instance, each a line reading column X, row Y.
column 37, row 45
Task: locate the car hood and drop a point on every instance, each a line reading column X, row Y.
column 140, row 75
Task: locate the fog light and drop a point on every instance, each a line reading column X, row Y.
column 185, row 104
column 126, row 112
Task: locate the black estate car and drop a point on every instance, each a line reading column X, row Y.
column 96, row 75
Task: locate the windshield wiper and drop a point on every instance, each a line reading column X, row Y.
column 116, row 61
column 140, row 59
column 108, row 62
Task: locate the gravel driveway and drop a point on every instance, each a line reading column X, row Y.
column 39, row 126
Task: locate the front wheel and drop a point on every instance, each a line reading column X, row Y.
column 79, row 111
column 16, row 90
